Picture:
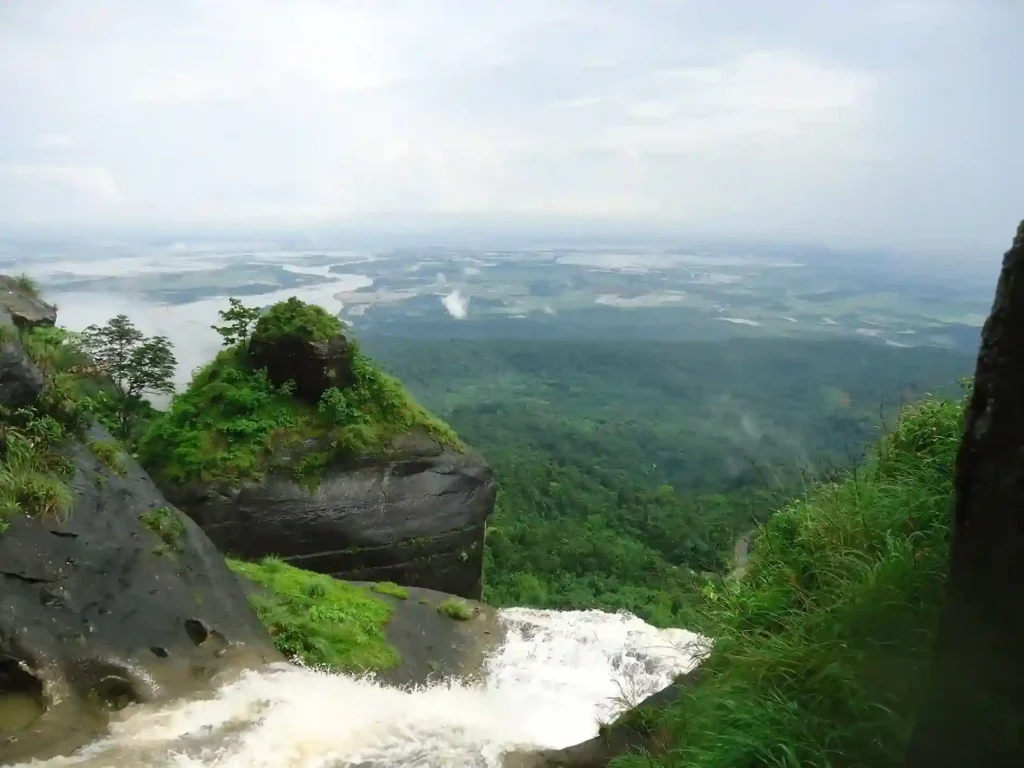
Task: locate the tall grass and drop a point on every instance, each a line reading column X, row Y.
column 822, row 649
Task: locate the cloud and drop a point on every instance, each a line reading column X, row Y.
column 456, row 305
column 894, row 127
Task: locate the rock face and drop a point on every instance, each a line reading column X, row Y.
column 412, row 512
column 975, row 711
column 416, row 518
column 100, row 610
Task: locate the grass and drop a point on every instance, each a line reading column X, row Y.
column 318, row 620
column 456, row 609
column 27, row 285
column 167, row 524
column 822, row 649
column 390, row 588
column 110, row 453
column 234, row 424
column 34, row 471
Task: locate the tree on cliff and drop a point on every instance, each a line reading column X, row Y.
column 238, row 322
column 974, row 714
column 137, row 365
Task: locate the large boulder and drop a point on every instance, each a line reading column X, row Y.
column 342, row 473
column 416, row 518
column 108, row 595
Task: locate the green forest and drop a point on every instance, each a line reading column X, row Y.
column 628, row 472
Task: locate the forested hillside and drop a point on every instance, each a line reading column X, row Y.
column 623, row 468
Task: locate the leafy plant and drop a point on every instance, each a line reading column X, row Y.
column 166, row 523
column 238, row 322
column 137, row 364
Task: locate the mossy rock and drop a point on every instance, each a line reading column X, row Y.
column 393, row 631
column 299, row 399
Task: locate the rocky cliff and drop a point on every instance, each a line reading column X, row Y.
column 295, row 445
column 108, row 594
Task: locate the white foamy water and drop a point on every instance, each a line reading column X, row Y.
column 557, row 675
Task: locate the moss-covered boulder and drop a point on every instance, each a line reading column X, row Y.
column 108, row 595
column 403, row 635
column 296, row 445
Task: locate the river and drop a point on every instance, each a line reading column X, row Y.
column 557, row 675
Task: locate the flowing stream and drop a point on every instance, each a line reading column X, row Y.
column 556, row 676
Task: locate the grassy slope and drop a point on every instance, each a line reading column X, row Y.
column 822, row 647
column 318, row 620
column 233, row 424
column 34, row 472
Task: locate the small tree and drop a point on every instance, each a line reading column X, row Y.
column 137, row 365
column 239, row 320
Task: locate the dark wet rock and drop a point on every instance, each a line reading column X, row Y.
column 434, row 646
column 632, row 731
column 415, row 518
column 24, row 309
column 974, row 714
column 84, row 601
column 21, row 381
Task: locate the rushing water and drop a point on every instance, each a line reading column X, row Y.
column 557, row 675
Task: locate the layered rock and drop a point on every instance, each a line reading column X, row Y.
column 112, row 599
column 392, row 495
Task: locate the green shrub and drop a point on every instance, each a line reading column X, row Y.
column 390, row 588
column 456, row 609
column 295, row 318
column 168, row 526
column 234, row 424
column 319, row 620
column 821, row 650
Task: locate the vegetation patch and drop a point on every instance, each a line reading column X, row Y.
column 167, row 524
column 456, row 609
column 34, row 469
column 110, row 453
column 318, row 620
column 821, row 650
column 27, row 285
column 390, row 588
column 234, row 424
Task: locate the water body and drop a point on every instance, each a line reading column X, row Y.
column 557, row 675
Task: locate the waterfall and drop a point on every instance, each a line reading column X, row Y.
column 557, row 675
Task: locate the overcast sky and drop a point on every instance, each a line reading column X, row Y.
column 878, row 122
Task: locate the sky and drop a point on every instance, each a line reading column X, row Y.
column 878, row 123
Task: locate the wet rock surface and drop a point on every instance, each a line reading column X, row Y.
column 416, row 518
column 434, row 646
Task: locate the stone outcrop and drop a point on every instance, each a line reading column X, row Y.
column 974, row 714
column 411, row 509
column 416, row 518
column 123, row 599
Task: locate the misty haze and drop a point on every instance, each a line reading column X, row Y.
column 501, row 384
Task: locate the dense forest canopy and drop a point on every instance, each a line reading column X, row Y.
column 625, row 468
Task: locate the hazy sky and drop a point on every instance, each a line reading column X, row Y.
column 875, row 122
